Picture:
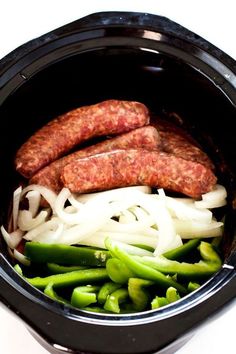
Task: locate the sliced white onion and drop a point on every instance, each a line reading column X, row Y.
column 113, row 194
column 126, row 217
column 98, row 239
column 185, row 210
column 84, row 213
column 66, row 217
column 141, row 214
column 143, row 218
column 177, row 242
column 26, row 222
column 192, row 229
column 131, row 228
column 74, row 202
column 49, row 225
column 21, row 258
column 214, row 199
column 12, row 239
column 77, row 233
column 46, row 193
column 34, row 198
column 70, row 209
column 50, row 236
column 15, row 208
column 161, row 216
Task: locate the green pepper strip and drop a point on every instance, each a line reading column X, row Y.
column 210, row 264
column 193, row 286
column 115, row 299
column 118, row 271
column 158, row 302
column 106, row 290
column 139, row 296
column 58, row 269
column 49, row 291
column 65, row 255
column 172, row 295
column 73, row 278
column 183, row 250
column 141, row 270
column 18, row 269
column 83, row 296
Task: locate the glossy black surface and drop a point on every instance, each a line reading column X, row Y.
column 125, row 56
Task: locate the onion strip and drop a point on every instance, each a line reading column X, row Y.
column 12, row 239
column 16, row 204
column 34, row 198
column 26, row 222
column 98, row 239
column 213, row 199
column 46, row 193
column 21, row 258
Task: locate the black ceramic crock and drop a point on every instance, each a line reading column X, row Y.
column 133, row 56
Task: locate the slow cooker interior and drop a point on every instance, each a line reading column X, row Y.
column 165, row 84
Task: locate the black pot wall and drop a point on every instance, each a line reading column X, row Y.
column 133, row 57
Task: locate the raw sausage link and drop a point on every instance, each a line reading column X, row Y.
column 145, row 137
column 121, row 168
column 176, row 141
column 68, row 130
column 179, row 146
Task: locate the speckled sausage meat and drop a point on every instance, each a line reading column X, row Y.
column 179, row 146
column 68, row 130
column 121, row 168
column 178, row 142
column 145, row 137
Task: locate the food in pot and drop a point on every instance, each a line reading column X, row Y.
column 118, row 250
column 120, row 168
column 145, row 137
column 131, row 245
column 62, row 134
column 176, row 144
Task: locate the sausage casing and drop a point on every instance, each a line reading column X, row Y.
column 178, row 142
column 62, row 134
column 121, row 168
column 145, row 137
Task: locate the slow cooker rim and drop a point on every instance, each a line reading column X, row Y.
column 121, row 19
column 91, row 23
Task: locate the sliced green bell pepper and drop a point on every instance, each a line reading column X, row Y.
column 209, row 264
column 172, row 295
column 138, row 294
column 135, row 264
column 115, row 299
column 118, row 271
column 65, row 255
column 83, row 296
column 49, row 291
column 183, row 250
column 59, row 269
column 158, row 302
column 106, row 290
column 77, row 277
column 192, row 286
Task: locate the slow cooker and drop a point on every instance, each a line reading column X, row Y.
column 133, row 56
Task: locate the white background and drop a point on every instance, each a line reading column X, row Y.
column 22, row 20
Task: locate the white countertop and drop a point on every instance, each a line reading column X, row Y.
column 214, row 20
